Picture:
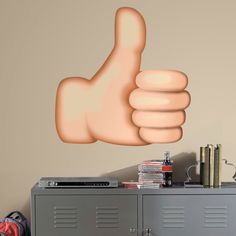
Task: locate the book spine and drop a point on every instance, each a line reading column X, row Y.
column 216, row 168
column 211, row 155
column 202, row 162
column 220, row 163
column 206, row 170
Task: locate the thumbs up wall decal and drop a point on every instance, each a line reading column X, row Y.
column 120, row 104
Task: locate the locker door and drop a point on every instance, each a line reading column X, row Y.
column 86, row 215
column 184, row 215
column 166, row 215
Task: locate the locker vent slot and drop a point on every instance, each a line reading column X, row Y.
column 215, row 217
column 65, row 217
column 173, row 217
column 107, row 217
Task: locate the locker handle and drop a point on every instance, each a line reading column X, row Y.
column 148, row 232
column 132, row 230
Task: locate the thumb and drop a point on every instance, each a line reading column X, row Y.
column 130, row 32
column 130, row 37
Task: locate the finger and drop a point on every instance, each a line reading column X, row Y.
column 159, row 101
column 153, row 119
column 123, row 63
column 151, row 135
column 162, row 80
column 129, row 29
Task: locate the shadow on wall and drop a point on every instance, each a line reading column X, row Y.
column 26, row 209
column 181, row 162
column 126, row 174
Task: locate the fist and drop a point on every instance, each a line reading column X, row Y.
column 120, row 104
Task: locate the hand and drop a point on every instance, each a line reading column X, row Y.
column 120, row 104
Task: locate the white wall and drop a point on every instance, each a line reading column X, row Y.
column 41, row 42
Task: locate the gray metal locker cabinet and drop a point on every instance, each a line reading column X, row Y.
column 185, row 215
column 173, row 211
column 85, row 215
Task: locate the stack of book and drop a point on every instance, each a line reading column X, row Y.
column 140, row 185
column 211, row 165
column 150, row 173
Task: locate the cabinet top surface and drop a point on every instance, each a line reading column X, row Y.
column 175, row 190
